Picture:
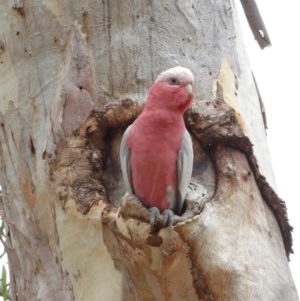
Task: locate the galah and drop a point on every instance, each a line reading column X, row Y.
column 156, row 150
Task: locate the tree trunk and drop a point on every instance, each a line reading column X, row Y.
column 74, row 75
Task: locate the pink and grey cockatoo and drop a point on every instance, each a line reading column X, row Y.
column 156, row 150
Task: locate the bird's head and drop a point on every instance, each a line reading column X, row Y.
column 173, row 89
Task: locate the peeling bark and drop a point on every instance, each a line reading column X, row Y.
column 32, row 261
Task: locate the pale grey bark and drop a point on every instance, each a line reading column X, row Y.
column 62, row 186
column 256, row 23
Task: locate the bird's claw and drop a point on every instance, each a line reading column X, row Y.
column 133, row 208
column 160, row 220
column 154, row 216
column 168, row 215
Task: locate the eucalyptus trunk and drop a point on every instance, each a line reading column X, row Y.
column 74, row 75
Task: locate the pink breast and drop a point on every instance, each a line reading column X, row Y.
column 153, row 171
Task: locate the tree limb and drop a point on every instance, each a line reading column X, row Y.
column 256, row 23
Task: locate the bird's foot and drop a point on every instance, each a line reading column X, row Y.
column 168, row 216
column 160, row 220
column 132, row 208
column 154, row 216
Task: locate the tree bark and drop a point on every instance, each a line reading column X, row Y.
column 74, row 76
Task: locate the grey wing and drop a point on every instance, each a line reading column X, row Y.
column 125, row 161
column 185, row 159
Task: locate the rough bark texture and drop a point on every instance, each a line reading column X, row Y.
column 74, row 75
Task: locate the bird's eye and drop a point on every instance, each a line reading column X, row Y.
column 173, row 81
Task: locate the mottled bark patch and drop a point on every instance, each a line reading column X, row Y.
column 215, row 123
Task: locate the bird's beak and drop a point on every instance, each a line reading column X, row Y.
column 189, row 88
